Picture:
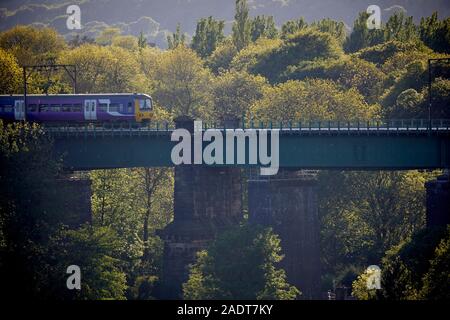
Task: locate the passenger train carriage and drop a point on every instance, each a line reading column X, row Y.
column 77, row 107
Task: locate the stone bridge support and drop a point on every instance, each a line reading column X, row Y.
column 206, row 200
column 71, row 196
column 288, row 203
column 438, row 201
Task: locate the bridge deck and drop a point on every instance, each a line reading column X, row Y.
column 313, row 145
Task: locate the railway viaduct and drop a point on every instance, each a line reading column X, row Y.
column 208, row 198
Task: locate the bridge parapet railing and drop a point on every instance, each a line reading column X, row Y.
column 314, row 126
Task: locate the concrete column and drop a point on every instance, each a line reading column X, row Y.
column 438, row 201
column 206, row 200
column 288, row 203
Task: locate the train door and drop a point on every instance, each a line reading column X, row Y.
column 19, row 110
column 90, row 109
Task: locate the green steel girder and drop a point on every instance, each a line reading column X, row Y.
column 317, row 150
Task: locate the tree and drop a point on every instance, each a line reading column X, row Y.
column 105, row 69
column 134, row 203
column 307, row 44
column 292, row 26
column 180, row 82
column 435, row 33
column 142, row 41
column 363, row 214
column 336, row 29
column 208, row 35
column 361, row 37
column 436, row 280
column 130, row 43
column 177, row 38
column 400, row 28
column 312, row 99
column 241, row 25
column 263, row 26
column 350, row 72
column 32, row 46
column 151, row 180
column 28, row 175
column 10, row 74
column 414, row 269
column 94, row 250
column 220, row 59
column 234, row 92
column 248, row 58
column 240, row 264
column 107, row 36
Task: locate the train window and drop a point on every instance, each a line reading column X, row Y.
column 103, row 107
column 43, row 108
column 32, row 107
column 130, row 107
column 115, row 107
column 7, row 108
column 1, row 108
column 145, row 104
column 56, row 107
column 76, row 107
column 66, row 107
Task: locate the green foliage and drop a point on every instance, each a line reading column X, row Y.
column 10, row 74
column 107, row 36
column 176, row 39
column 311, row 99
column 249, row 57
column 359, row 286
column 435, row 33
column 413, row 78
column 220, row 59
column 292, row 26
column 208, row 35
column 134, row 203
column 363, row 214
column 400, row 28
column 94, row 250
column 130, row 43
column 180, row 82
column 350, row 72
column 28, row 173
column 240, row 264
column 361, row 37
column 305, row 45
column 336, row 29
column 380, row 53
column 104, row 69
column 241, row 26
column 263, row 26
column 31, row 45
column 436, row 281
column 411, row 268
column 234, row 92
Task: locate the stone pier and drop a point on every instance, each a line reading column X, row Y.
column 438, row 201
column 72, row 198
column 288, row 203
column 206, row 200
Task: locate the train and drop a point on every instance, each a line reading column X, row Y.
column 99, row 107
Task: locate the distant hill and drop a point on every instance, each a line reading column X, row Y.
column 158, row 17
